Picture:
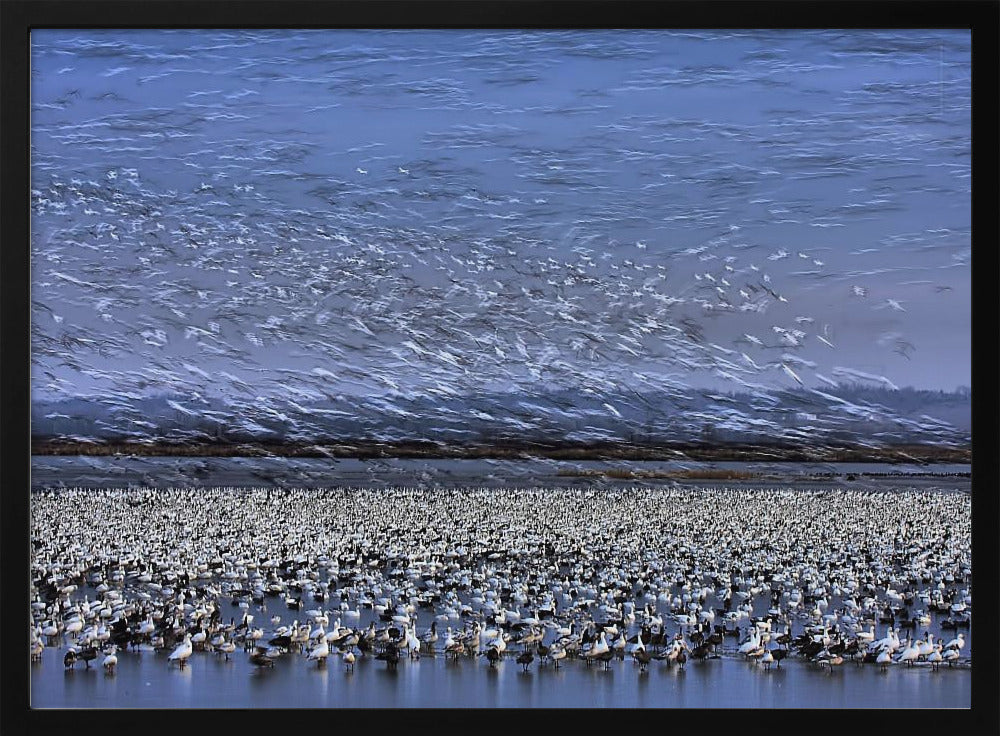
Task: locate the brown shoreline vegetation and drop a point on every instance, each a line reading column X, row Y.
column 362, row 449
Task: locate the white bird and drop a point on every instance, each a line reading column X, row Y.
column 349, row 658
column 620, row 644
column 792, row 374
column 866, row 637
column 950, row 656
column 361, row 171
column 227, row 647
column 147, row 627
column 557, row 654
column 50, row 631
column 431, row 636
column 598, row 647
column 320, row 652
column 886, row 642
column 412, row 643
column 199, row 637
column 74, row 626
column 936, row 657
column 347, row 612
column 927, row 647
column 182, row 651
column 910, row 653
column 957, row 643
column 751, row 644
column 111, row 659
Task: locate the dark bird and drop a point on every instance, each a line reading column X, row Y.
column 284, row 641
column 260, row 659
column 389, row 655
column 700, row 651
column 525, row 659
column 88, row 654
column 714, row 640
column 70, row 659
column 642, row 657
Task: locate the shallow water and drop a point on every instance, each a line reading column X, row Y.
column 209, row 681
column 147, row 680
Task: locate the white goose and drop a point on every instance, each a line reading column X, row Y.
column 320, row 652
column 910, row 653
column 182, row 651
column 935, row 658
column 411, row 641
column 957, row 643
column 926, row 648
column 111, row 659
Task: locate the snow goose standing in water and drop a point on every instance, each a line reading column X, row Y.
column 182, row 651
column 452, row 646
column 957, row 643
column 349, row 659
column 910, row 653
column 227, row 647
column 752, row 644
column 410, row 641
column 884, row 659
column 320, row 652
column 619, row 646
column 950, row 656
column 37, row 647
column 597, row 649
column 431, row 636
column 348, row 613
column 926, row 648
column 936, row 657
column 111, row 659
column 866, row 637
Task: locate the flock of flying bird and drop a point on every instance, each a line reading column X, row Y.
column 285, row 330
column 546, row 575
column 257, row 274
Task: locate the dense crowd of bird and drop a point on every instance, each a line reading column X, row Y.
column 544, row 576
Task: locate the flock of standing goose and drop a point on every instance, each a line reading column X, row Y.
column 545, row 577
